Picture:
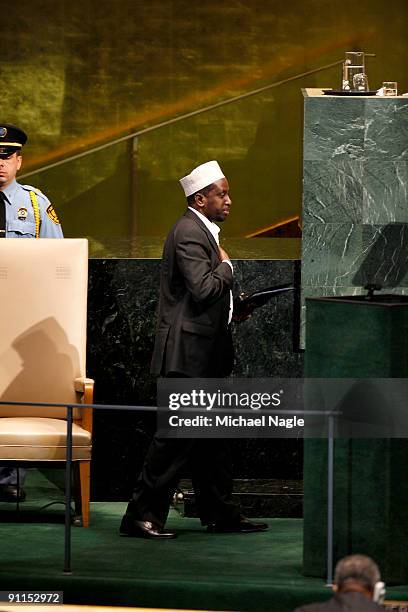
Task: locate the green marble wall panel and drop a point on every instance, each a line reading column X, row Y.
column 385, row 191
column 331, row 253
column 353, row 255
column 355, row 205
column 386, row 129
column 384, row 258
column 329, row 181
column 333, row 128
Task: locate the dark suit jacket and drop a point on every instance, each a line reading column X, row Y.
column 350, row 602
column 192, row 336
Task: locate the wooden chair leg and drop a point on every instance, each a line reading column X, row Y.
column 85, row 484
column 82, row 485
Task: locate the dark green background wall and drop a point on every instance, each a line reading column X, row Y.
column 76, row 74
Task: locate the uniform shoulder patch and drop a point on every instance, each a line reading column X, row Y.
column 52, row 214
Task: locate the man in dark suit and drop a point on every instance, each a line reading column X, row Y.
column 357, row 587
column 193, row 339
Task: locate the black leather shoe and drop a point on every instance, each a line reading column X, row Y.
column 242, row 525
column 10, row 493
column 143, row 529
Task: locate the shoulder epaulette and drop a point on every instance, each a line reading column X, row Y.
column 35, row 189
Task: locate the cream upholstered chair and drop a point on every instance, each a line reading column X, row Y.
column 43, row 297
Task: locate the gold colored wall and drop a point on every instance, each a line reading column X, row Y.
column 76, row 74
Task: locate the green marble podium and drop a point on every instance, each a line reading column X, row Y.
column 355, row 232
column 355, row 185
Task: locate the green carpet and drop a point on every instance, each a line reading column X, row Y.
column 197, row 570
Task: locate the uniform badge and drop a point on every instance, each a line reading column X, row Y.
column 52, row 215
column 3, row 132
column 22, row 213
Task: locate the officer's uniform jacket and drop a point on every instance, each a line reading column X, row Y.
column 20, row 213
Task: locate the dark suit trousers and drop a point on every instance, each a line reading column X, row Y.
column 209, row 461
column 211, row 469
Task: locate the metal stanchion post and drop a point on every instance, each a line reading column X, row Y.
column 330, row 498
column 18, row 491
column 68, row 466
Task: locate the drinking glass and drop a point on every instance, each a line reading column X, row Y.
column 390, row 88
column 360, row 82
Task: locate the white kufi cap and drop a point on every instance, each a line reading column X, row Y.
column 200, row 177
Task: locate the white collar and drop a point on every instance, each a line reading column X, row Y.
column 210, row 225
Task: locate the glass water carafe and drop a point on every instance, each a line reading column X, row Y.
column 354, row 74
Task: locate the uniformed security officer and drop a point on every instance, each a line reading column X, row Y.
column 25, row 212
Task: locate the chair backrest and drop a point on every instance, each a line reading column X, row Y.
column 43, row 297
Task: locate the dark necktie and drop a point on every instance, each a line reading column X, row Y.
column 2, row 215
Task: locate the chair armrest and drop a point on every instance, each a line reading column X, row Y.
column 85, row 386
column 81, row 384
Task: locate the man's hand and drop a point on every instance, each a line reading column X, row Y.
column 241, row 317
column 242, row 311
column 223, row 254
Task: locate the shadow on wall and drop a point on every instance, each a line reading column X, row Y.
column 49, row 364
column 386, row 262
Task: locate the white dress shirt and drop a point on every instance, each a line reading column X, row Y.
column 215, row 232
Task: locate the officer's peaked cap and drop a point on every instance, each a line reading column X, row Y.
column 12, row 138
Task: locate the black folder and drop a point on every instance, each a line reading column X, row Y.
column 247, row 302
